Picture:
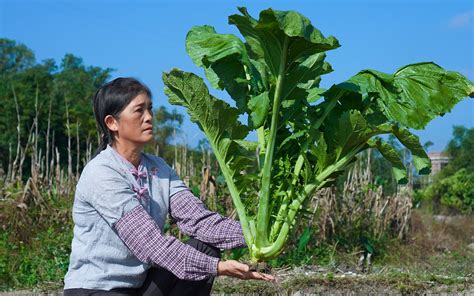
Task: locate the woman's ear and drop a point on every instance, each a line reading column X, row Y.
column 111, row 123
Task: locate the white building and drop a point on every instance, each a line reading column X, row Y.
column 438, row 161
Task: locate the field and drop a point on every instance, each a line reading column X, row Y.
column 434, row 256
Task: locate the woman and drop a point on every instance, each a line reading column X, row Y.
column 120, row 206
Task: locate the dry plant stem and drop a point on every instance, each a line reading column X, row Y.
column 18, row 129
column 88, row 155
column 355, row 204
column 78, row 151
column 34, row 157
column 51, row 167
column 24, row 152
column 47, row 138
column 58, row 170
column 68, row 128
column 10, row 164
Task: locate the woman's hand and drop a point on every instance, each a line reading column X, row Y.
column 242, row 271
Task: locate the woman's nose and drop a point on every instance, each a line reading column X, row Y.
column 148, row 116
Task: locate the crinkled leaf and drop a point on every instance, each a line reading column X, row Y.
column 314, row 94
column 224, row 58
column 412, row 142
column 390, row 154
column 306, row 39
column 205, row 46
column 217, row 119
column 304, row 76
column 265, row 40
column 247, row 145
column 416, row 93
column 345, row 132
column 319, row 150
column 258, row 106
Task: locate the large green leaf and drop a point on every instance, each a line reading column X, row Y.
column 416, row 93
column 259, row 106
column 217, row 119
column 340, row 129
column 390, row 154
column 348, row 131
column 377, row 94
column 224, row 58
column 265, row 36
column 305, row 75
column 412, row 142
column 245, row 75
column 304, row 58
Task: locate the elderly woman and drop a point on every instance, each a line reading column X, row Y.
column 121, row 202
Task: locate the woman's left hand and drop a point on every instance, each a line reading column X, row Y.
column 242, row 271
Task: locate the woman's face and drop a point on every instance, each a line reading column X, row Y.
column 135, row 123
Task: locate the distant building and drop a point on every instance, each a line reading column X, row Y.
column 438, row 161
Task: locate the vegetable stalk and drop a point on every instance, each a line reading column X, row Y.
column 264, row 197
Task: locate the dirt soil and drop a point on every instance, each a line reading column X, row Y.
column 310, row 280
column 434, row 260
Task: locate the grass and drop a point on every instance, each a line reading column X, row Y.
column 35, row 243
column 43, row 262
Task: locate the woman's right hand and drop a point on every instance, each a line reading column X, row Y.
column 242, row 271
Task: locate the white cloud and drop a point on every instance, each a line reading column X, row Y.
column 462, row 20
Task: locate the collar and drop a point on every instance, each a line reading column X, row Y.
column 139, row 172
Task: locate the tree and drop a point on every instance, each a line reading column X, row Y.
column 167, row 126
column 75, row 85
column 453, row 187
column 40, row 98
column 14, row 57
column 460, row 149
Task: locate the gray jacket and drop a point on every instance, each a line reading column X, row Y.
column 106, row 191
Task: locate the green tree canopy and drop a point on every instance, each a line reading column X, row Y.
column 460, row 148
column 44, row 90
column 167, row 126
column 453, row 187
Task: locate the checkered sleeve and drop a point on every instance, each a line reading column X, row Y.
column 144, row 239
column 194, row 219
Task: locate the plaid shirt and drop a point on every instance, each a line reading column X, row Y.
column 144, row 238
column 119, row 212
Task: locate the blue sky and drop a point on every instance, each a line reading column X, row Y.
column 144, row 38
